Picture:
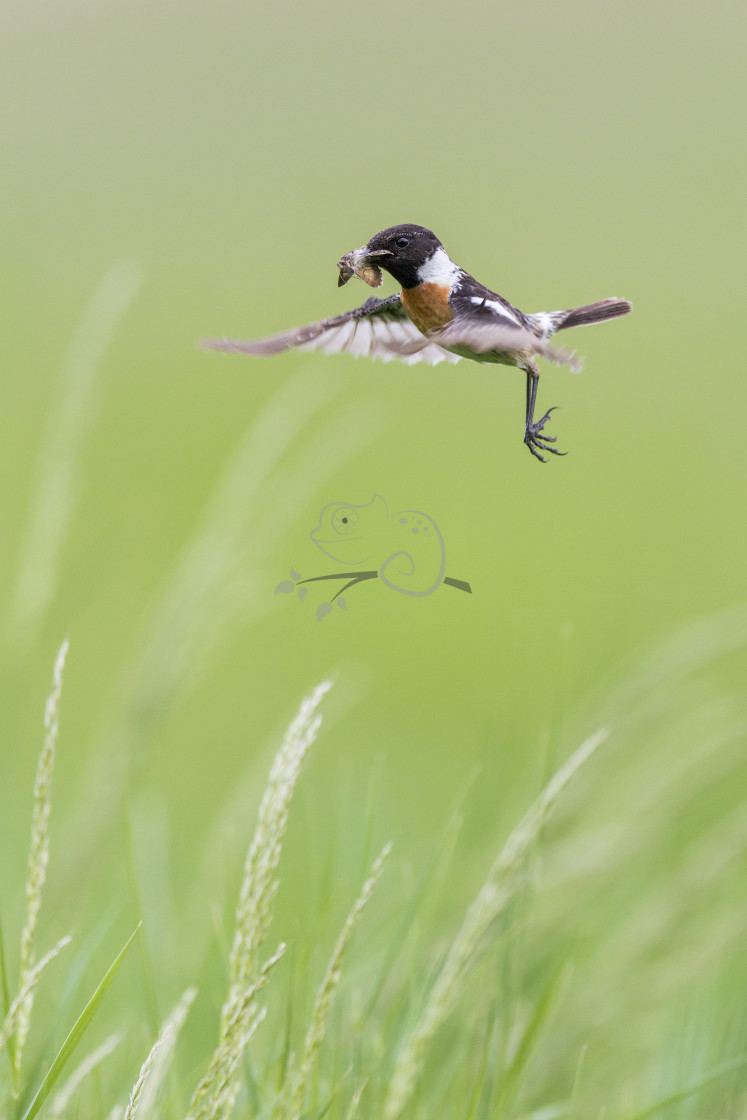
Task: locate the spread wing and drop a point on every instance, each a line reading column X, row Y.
column 379, row 329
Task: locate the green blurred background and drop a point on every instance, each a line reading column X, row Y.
column 207, row 163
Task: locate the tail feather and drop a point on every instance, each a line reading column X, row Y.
column 594, row 313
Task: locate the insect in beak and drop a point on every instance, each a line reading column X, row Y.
column 360, row 263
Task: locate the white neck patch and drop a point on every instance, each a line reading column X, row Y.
column 439, row 269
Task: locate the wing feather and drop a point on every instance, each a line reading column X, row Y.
column 380, row 329
column 490, row 335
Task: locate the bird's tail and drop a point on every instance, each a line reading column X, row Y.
column 592, row 313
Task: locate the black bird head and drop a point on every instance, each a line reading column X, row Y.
column 399, row 250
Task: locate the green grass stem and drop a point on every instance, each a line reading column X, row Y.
column 79, row 1028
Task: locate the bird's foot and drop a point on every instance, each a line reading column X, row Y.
column 537, row 441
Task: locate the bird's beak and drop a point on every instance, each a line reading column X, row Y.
column 369, row 255
column 362, row 262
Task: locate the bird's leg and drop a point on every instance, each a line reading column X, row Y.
column 534, row 436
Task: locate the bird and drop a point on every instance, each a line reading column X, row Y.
column 440, row 314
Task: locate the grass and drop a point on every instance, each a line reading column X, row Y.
column 56, row 485
column 420, row 1035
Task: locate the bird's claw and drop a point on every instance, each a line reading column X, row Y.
column 537, row 441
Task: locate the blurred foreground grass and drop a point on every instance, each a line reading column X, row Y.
column 524, row 1009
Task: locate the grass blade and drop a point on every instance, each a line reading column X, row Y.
column 218, row 1088
column 442, row 853
column 240, row 1015
column 479, row 1087
column 694, row 1087
column 9, row 1024
column 259, row 885
column 10, row 1042
column 55, row 494
column 79, row 1028
column 38, row 853
column 530, row 1037
column 64, row 1096
column 499, row 889
column 325, row 995
column 153, row 1070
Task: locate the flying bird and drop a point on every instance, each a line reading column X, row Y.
column 441, row 314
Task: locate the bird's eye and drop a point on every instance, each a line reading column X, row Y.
column 402, row 241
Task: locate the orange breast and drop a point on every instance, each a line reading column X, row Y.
column 427, row 306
